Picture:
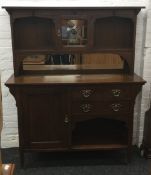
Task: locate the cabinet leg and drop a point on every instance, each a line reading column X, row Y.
column 141, row 149
column 21, row 159
column 130, row 131
column 129, row 155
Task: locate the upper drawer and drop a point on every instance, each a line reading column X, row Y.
column 102, row 93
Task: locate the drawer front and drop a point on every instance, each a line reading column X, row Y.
column 101, row 108
column 102, row 93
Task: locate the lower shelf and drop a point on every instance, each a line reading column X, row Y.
column 99, row 147
column 104, row 134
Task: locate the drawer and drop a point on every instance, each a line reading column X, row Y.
column 101, row 108
column 102, row 93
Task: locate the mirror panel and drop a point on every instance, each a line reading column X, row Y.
column 74, row 33
column 87, row 61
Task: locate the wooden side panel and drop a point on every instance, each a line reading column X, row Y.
column 146, row 146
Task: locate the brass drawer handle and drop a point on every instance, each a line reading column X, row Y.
column 58, row 33
column 116, row 92
column 86, row 108
column 116, row 107
column 86, row 92
column 66, row 120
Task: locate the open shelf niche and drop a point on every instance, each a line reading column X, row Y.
column 34, row 33
column 113, row 33
column 99, row 133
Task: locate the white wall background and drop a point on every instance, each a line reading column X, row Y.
column 142, row 60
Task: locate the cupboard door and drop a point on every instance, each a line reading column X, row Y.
column 43, row 118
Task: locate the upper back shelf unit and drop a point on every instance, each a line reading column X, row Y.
column 73, row 30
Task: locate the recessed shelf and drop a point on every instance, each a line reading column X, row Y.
column 99, row 134
column 114, row 32
column 34, row 33
column 84, row 146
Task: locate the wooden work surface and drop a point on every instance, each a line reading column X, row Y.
column 75, row 79
column 7, row 169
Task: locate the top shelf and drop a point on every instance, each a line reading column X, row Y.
column 73, row 6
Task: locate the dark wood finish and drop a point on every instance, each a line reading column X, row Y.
column 146, row 145
column 46, row 100
column 34, row 33
column 119, row 32
column 74, row 109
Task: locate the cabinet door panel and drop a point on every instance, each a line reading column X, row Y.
column 44, row 118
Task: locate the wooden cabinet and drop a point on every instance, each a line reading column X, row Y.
column 74, row 80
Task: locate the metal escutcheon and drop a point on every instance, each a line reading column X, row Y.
column 116, row 107
column 86, row 92
column 116, row 92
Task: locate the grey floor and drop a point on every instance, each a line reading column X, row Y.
column 78, row 163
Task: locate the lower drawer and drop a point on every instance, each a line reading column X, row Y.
column 101, row 108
